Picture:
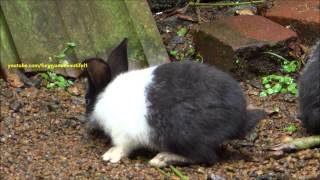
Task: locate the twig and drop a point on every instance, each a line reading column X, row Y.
column 198, row 12
column 226, row 4
column 297, row 144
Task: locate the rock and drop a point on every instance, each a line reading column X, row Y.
column 215, row 177
column 77, row 100
column 73, row 90
column 252, row 136
column 18, row 90
column 302, row 15
column 9, row 121
column 52, row 106
column 30, row 82
column 13, row 78
column 289, row 98
column 81, row 118
column 7, row 93
column 3, row 140
column 177, row 40
column 264, row 177
column 15, row 106
column 259, row 172
column 30, row 92
column 245, row 12
column 255, row 83
column 244, row 37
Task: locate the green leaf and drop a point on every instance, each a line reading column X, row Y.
column 270, row 91
column 61, row 84
column 277, row 88
column 273, row 76
column 276, row 109
column 267, row 86
column 60, row 79
column 291, row 128
column 288, row 80
column 64, row 61
column 53, row 77
column 173, row 53
column 265, row 80
column 191, row 51
column 182, row 31
column 281, row 79
column 199, row 58
column 50, row 85
column 263, row 94
column 71, row 44
column 70, row 82
column 44, row 76
column 283, row 90
column 292, row 87
column 61, row 56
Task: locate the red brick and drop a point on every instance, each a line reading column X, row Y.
column 220, row 41
column 302, row 15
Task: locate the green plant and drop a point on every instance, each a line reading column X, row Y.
column 179, row 173
column 287, row 66
column 182, row 32
column 163, row 173
column 177, row 54
column 189, row 53
column 54, row 80
column 291, row 128
column 274, row 84
column 62, row 55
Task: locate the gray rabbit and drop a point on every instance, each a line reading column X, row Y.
column 309, row 92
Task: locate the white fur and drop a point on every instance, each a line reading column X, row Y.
column 121, row 111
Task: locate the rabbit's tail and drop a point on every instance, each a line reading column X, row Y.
column 254, row 116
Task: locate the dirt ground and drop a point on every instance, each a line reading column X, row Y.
column 43, row 136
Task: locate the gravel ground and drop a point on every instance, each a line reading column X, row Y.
column 43, row 135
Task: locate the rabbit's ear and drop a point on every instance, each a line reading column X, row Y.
column 98, row 73
column 118, row 59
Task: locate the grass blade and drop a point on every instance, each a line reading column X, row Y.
column 178, row 173
column 276, row 55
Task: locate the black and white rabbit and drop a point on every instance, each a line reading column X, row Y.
column 183, row 110
column 309, row 92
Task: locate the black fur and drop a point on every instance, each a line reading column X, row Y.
column 96, row 68
column 194, row 108
column 100, row 73
column 309, row 93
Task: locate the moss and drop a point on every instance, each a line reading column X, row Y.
column 41, row 29
column 8, row 53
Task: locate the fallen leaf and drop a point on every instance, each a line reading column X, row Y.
column 244, row 12
column 13, row 79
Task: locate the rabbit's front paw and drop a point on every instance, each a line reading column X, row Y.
column 165, row 158
column 114, row 154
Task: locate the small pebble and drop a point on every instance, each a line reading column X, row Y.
column 215, row 177
column 16, row 106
